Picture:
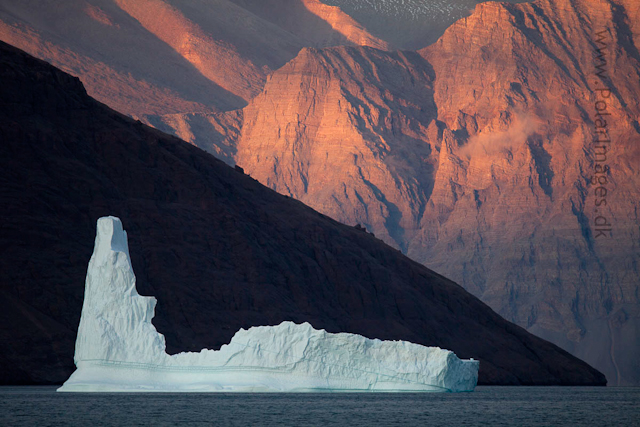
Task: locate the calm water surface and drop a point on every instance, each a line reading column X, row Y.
column 502, row 406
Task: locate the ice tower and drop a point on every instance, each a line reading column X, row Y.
column 119, row 349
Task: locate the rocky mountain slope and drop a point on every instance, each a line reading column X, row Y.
column 542, row 174
column 157, row 57
column 218, row 250
column 479, row 157
column 345, row 132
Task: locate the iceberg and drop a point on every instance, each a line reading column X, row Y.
column 118, row 349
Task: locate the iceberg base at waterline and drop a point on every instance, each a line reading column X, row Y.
column 119, row 350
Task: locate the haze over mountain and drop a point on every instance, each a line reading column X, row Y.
column 218, row 250
column 474, row 156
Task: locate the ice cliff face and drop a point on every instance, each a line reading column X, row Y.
column 116, row 321
column 119, row 349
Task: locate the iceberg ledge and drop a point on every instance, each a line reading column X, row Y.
column 119, row 350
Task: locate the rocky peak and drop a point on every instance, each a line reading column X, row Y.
column 477, row 160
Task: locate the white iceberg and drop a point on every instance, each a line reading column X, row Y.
column 119, row 349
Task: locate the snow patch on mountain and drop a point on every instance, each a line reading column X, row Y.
column 411, row 9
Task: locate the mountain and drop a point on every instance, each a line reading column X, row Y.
column 555, row 183
column 157, row 57
column 474, row 156
column 121, row 62
column 314, row 22
column 479, row 157
column 408, row 24
column 216, row 248
column 344, row 130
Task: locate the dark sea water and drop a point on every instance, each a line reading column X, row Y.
column 501, row 406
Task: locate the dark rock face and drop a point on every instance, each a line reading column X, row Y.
column 217, row 249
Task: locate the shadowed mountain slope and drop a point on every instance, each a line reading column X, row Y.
column 217, row 249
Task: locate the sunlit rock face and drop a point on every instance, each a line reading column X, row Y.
column 534, row 188
column 480, row 158
column 344, row 130
column 119, row 349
